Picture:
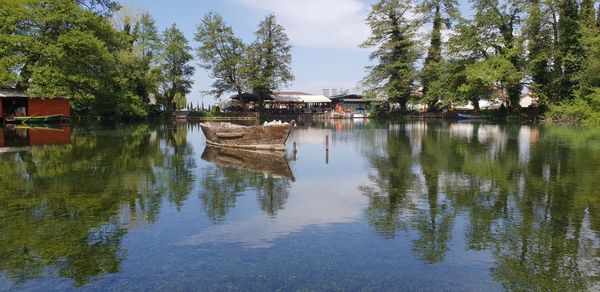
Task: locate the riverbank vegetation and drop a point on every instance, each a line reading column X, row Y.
column 549, row 49
column 114, row 63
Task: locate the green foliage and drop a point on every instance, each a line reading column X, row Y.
column 570, row 49
column 392, row 36
column 268, row 59
column 540, row 48
column 433, row 66
column 174, row 63
column 584, row 110
column 221, row 53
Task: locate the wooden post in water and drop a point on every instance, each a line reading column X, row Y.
column 326, row 149
column 294, row 151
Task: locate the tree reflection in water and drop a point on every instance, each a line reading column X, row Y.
column 526, row 196
column 51, row 219
column 532, row 201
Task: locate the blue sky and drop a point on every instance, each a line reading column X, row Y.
column 325, row 35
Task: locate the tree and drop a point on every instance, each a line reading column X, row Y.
column 175, row 67
column 498, row 24
column 587, row 13
column 540, row 46
column 100, row 7
column 56, row 49
column 268, row 59
column 392, row 34
column 570, row 49
column 433, row 9
column 221, row 53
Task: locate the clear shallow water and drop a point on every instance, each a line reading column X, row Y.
column 412, row 206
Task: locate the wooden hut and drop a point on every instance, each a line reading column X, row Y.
column 18, row 103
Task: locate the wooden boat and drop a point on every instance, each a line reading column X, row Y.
column 270, row 136
column 266, row 162
column 471, row 117
column 40, row 119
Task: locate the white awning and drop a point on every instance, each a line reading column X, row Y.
column 304, row 98
column 286, row 98
column 314, row 98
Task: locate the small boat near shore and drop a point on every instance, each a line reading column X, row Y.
column 269, row 136
column 48, row 119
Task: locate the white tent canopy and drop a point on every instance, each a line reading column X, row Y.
column 299, row 97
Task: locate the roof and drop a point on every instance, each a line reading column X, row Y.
column 290, row 93
column 360, row 100
column 286, row 98
column 315, row 98
column 12, row 93
column 299, row 97
column 246, row 97
column 345, row 96
column 21, row 94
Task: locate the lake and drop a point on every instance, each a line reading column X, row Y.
column 423, row 206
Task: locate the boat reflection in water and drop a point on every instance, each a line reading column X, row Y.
column 268, row 162
column 21, row 137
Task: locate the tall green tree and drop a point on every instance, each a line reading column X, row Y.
column 540, row 45
column 221, row 53
column 392, row 36
column 56, row 48
column 440, row 12
column 570, row 49
column 176, row 70
column 269, row 59
column 587, row 13
column 498, row 24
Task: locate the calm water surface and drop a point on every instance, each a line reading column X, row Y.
column 407, row 206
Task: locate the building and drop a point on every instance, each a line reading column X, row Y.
column 353, row 103
column 18, row 103
column 300, row 101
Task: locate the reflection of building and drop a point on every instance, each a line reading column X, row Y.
column 18, row 103
column 20, row 136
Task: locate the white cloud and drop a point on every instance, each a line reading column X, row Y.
column 317, row 23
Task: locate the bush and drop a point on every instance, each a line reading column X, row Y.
column 583, row 111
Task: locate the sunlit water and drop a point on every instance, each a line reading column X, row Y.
column 391, row 206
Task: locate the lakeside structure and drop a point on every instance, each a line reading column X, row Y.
column 15, row 103
column 354, row 103
column 347, row 105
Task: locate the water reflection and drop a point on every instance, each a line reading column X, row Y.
column 67, row 208
column 530, row 198
column 90, row 205
column 18, row 137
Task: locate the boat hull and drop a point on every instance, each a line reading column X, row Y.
column 270, row 137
